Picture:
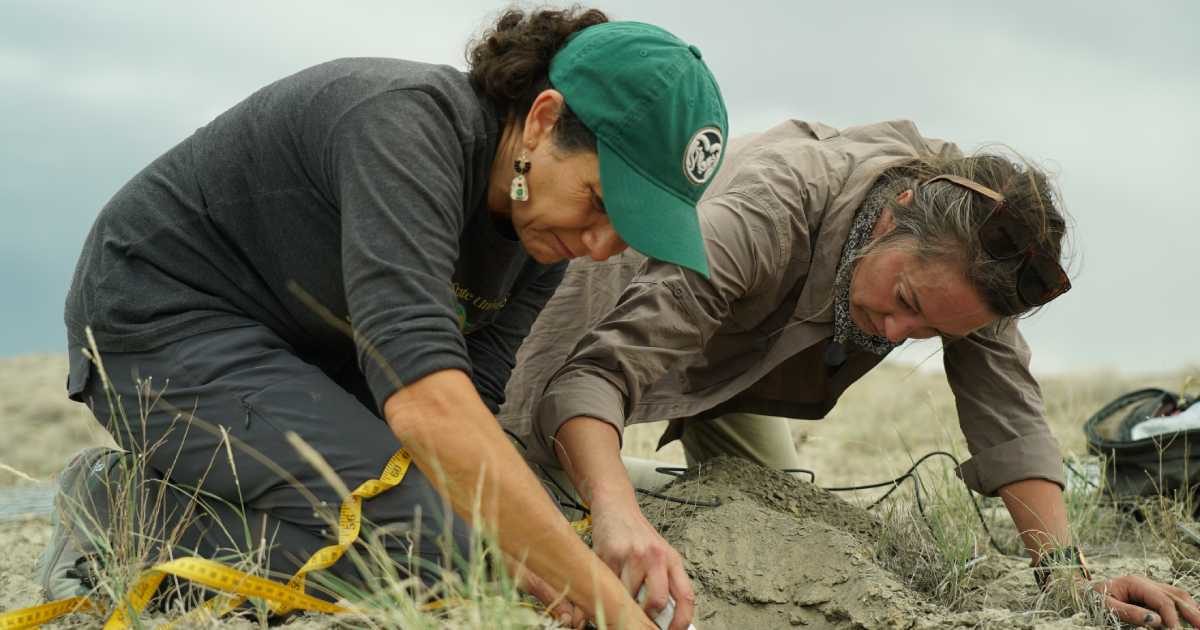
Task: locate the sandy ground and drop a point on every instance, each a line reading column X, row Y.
column 777, row 552
column 41, row 428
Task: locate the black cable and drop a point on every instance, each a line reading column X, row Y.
column 696, row 502
column 566, row 496
column 516, row 439
column 911, row 473
column 812, row 476
column 1080, row 475
column 895, row 485
column 917, row 498
column 676, row 471
column 569, row 502
column 567, row 499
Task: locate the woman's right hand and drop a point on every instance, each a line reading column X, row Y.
column 640, row 556
column 458, row 444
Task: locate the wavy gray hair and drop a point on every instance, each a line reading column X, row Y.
column 943, row 220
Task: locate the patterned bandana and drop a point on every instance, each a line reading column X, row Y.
column 844, row 329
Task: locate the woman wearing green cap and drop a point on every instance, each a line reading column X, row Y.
column 353, row 255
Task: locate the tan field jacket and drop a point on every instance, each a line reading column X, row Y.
column 633, row 340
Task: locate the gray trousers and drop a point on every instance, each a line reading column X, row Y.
column 210, row 414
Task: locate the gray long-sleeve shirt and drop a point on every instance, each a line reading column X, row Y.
column 349, row 192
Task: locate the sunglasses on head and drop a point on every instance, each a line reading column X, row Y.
column 1040, row 278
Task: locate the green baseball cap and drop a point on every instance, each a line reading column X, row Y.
column 660, row 127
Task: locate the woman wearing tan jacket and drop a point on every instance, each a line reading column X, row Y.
column 827, row 249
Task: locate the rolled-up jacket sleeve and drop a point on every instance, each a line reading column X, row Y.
column 1000, row 411
column 664, row 317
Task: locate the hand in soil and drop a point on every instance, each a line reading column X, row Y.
column 1141, row 601
column 559, row 607
column 635, row 551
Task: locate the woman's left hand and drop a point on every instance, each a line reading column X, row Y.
column 557, row 606
column 1141, row 601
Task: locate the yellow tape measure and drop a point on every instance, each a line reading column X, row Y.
column 283, row 597
column 38, row 615
column 240, row 585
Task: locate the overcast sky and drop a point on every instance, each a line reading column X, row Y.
column 1104, row 94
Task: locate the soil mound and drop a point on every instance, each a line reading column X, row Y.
column 780, row 552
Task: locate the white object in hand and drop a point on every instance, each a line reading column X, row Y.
column 663, row 618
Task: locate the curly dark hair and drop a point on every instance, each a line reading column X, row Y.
column 510, row 64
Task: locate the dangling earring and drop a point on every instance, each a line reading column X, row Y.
column 520, row 188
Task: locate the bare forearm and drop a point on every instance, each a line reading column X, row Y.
column 456, row 441
column 590, row 451
column 1038, row 509
column 1039, row 512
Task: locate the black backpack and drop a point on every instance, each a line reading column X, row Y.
column 1162, row 465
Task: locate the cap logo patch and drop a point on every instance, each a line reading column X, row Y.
column 702, row 155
